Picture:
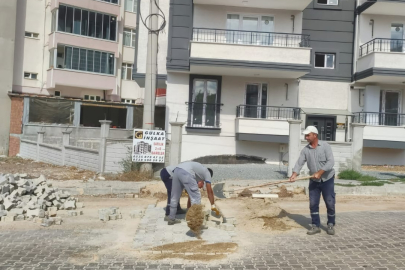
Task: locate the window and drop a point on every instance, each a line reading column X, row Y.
column 57, row 94
column 86, row 23
column 31, row 35
column 328, row 2
column 129, row 101
column 88, row 97
column 129, row 37
column 84, row 59
column 324, row 60
column 126, row 71
column 31, row 76
column 110, row 1
column 131, row 5
column 204, row 107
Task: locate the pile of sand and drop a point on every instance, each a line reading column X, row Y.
column 246, row 193
column 195, row 219
column 284, row 193
column 200, row 250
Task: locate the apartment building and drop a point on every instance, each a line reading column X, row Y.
column 379, row 80
column 80, row 61
column 238, row 71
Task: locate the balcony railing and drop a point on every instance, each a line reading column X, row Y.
column 379, row 119
column 203, row 115
column 268, row 112
column 382, row 45
column 250, row 37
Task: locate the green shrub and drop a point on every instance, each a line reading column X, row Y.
column 365, row 178
column 349, row 175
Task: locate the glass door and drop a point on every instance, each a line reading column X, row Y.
column 250, row 25
column 397, row 37
column 267, row 26
column 204, row 107
column 256, row 101
column 232, row 24
column 390, row 107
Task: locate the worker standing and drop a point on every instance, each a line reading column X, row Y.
column 188, row 175
column 319, row 157
column 166, row 174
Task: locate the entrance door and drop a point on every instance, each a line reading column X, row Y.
column 204, row 103
column 390, row 106
column 326, row 127
column 250, row 24
column 397, row 37
column 256, row 101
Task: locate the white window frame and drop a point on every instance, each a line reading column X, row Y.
column 204, row 112
column 31, row 35
column 134, row 8
column 325, row 65
column 126, row 66
column 29, row 77
column 132, row 33
column 329, row 3
column 259, row 16
column 60, row 93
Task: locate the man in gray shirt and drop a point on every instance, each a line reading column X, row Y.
column 319, row 158
column 187, row 175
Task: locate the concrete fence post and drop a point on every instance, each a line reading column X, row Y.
column 357, row 146
column 40, row 139
column 104, row 133
column 175, row 143
column 294, row 144
column 65, row 141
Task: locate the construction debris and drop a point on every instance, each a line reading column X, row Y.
column 112, row 213
column 26, row 199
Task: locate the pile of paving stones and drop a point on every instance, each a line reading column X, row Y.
column 112, row 213
column 33, row 199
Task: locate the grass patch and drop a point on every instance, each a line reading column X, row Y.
column 349, row 175
column 345, row 185
column 398, row 180
column 365, row 178
column 373, row 183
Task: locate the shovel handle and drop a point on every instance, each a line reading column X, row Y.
column 276, row 183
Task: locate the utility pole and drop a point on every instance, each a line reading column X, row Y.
column 151, row 74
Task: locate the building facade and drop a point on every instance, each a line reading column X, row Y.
column 80, row 61
column 238, row 71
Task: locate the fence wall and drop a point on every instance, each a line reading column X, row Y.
column 117, row 152
column 28, row 149
column 82, row 158
column 50, row 154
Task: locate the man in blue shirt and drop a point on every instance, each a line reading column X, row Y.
column 320, row 161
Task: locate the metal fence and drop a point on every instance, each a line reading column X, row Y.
column 382, row 45
column 204, row 115
column 379, row 119
column 268, row 112
column 250, row 37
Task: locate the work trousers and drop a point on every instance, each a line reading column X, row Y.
column 165, row 176
column 327, row 188
column 183, row 180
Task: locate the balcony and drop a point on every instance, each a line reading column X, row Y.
column 382, row 7
column 299, row 5
column 79, row 79
column 382, row 60
column 93, row 5
column 249, row 53
column 383, row 130
column 265, row 123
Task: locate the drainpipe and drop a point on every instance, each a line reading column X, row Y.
column 293, row 23
column 44, row 45
column 355, row 40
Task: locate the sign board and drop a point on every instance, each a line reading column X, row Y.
column 149, row 146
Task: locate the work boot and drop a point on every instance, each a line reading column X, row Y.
column 331, row 229
column 173, row 221
column 166, row 218
column 314, row 230
column 181, row 212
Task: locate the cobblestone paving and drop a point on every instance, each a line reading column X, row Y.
column 149, row 233
column 366, row 240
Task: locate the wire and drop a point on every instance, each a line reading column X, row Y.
column 162, row 15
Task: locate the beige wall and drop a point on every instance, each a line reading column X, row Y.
column 8, row 11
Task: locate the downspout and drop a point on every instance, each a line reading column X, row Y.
column 355, row 40
column 43, row 46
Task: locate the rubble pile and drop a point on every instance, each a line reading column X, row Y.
column 32, row 199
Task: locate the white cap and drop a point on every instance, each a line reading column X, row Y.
column 310, row 129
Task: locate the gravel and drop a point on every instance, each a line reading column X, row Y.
column 247, row 172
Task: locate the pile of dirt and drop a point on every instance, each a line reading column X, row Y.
column 160, row 196
column 284, row 193
column 195, row 219
column 200, row 250
column 246, row 193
